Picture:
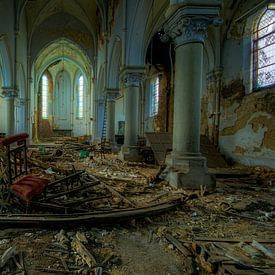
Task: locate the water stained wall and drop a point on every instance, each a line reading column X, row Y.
column 247, row 128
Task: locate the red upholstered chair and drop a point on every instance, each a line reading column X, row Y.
column 23, row 185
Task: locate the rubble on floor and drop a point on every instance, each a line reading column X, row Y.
column 228, row 231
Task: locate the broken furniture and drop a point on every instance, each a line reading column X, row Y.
column 36, row 191
column 103, row 148
column 20, row 183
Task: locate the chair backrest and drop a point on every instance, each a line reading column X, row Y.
column 16, row 149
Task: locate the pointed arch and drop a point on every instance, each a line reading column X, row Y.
column 114, row 64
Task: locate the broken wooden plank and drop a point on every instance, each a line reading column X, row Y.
column 65, row 178
column 75, row 190
column 263, row 249
column 178, row 245
column 225, row 240
column 116, row 193
column 7, row 255
column 85, row 254
column 89, row 218
column 85, row 200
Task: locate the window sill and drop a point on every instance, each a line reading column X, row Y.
column 270, row 87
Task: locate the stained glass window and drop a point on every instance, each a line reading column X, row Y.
column 154, row 97
column 80, row 97
column 45, row 88
column 264, row 51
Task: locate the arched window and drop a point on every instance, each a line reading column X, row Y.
column 154, row 96
column 80, row 103
column 45, row 89
column 264, row 51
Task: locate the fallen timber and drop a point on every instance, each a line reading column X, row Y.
column 100, row 217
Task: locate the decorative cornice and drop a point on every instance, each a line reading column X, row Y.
column 10, row 92
column 187, row 25
column 132, row 80
column 131, row 76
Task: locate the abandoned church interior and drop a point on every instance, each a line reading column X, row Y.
column 137, row 137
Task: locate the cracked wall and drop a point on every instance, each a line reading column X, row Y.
column 247, row 128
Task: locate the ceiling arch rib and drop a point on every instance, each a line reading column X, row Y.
column 59, row 50
column 58, row 26
column 83, row 10
column 114, row 64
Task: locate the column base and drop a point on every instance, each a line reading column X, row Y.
column 189, row 173
column 114, row 147
column 130, row 153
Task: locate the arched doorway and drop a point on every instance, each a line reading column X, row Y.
column 62, row 97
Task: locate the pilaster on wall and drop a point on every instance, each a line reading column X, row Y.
column 111, row 95
column 10, row 93
column 212, row 105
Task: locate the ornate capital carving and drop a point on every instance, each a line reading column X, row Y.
column 131, row 79
column 187, row 25
column 10, row 92
column 131, row 76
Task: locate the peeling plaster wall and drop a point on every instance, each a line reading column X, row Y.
column 247, row 132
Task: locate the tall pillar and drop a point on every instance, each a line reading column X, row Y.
column 99, row 119
column 188, row 28
column 131, row 80
column 111, row 104
column 111, row 120
column 10, row 93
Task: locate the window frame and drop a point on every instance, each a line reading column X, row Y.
column 154, row 96
column 44, row 96
column 80, row 97
column 255, row 50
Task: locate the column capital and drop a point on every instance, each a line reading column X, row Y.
column 189, row 24
column 131, row 76
column 112, row 94
column 10, row 92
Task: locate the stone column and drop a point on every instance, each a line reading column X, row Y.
column 20, row 104
column 131, row 80
column 111, row 120
column 188, row 28
column 111, row 104
column 10, row 93
column 99, row 118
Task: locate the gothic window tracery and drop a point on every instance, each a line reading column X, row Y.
column 45, row 89
column 154, row 96
column 264, row 51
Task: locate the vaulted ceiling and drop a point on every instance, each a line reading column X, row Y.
column 84, row 10
column 50, row 20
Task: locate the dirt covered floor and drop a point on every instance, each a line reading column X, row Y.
column 228, row 231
